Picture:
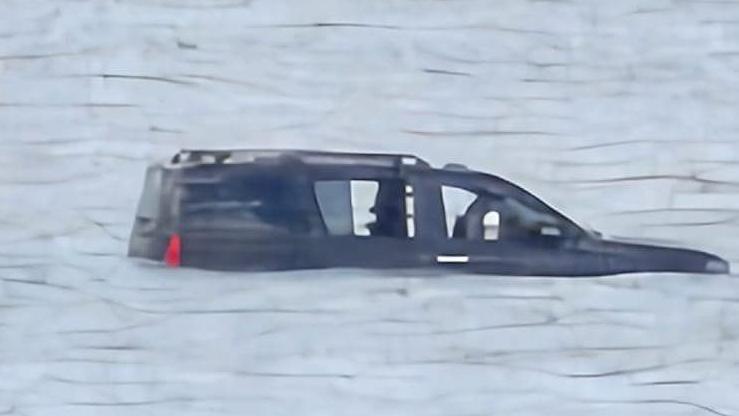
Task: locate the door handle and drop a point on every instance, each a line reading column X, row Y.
column 452, row 259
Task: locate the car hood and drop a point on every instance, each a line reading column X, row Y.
column 655, row 255
column 655, row 242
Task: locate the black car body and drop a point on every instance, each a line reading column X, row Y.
column 289, row 209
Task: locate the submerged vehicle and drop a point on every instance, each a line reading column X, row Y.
column 291, row 209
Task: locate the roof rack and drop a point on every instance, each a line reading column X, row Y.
column 240, row 156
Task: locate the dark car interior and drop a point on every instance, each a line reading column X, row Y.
column 389, row 210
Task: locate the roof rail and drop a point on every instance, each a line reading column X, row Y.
column 239, row 156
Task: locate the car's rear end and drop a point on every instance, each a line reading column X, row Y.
column 153, row 228
column 220, row 216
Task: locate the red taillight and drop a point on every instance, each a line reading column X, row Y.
column 173, row 255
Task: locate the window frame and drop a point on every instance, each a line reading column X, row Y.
column 493, row 187
column 377, row 176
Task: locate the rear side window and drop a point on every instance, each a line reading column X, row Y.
column 372, row 208
column 456, row 202
column 335, row 203
column 266, row 204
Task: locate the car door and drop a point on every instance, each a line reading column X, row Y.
column 500, row 234
column 368, row 222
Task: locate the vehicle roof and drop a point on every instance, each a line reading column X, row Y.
column 193, row 157
column 285, row 158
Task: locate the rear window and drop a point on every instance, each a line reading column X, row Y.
column 149, row 203
column 256, row 203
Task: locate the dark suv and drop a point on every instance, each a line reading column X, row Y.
column 289, row 209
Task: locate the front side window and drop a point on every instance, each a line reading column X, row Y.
column 480, row 215
column 370, row 208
